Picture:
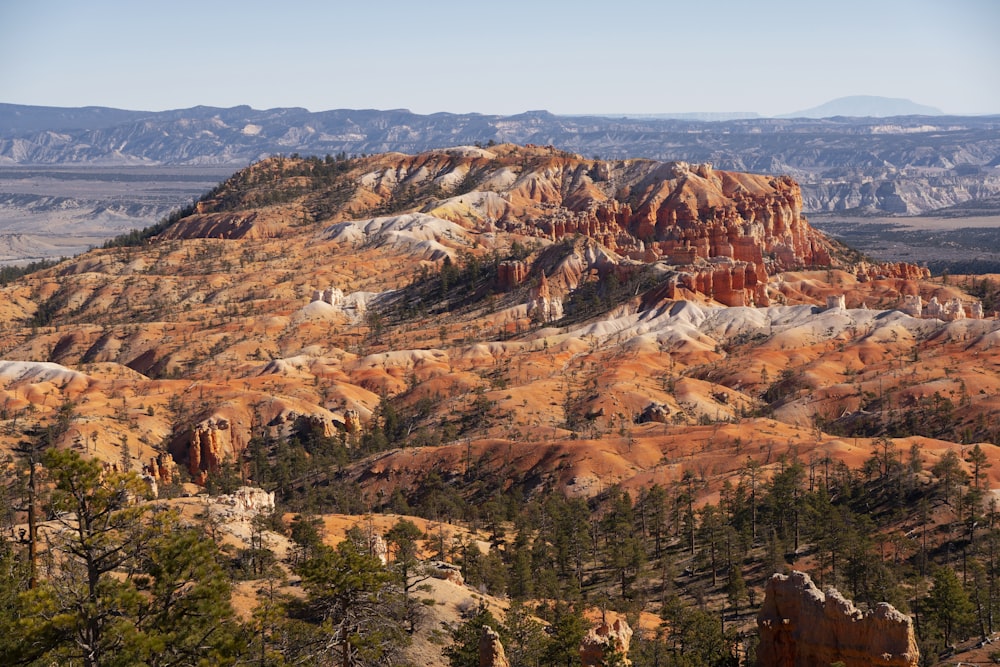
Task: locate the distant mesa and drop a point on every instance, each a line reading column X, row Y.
column 866, row 106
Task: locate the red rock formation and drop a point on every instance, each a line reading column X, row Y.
column 161, row 469
column 896, row 270
column 206, row 446
column 542, row 306
column 641, row 209
column 801, row 627
column 510, row 274
column 738, row 284
column 686, row 215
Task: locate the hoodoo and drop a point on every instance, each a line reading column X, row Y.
column 800, row 626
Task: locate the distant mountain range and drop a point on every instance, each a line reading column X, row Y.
column 708, row 116
column 21, row 118
column 904, row 164
column 239, row 135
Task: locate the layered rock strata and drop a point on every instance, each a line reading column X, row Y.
column 725, row 231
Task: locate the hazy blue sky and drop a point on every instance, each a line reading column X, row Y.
column 580, row 56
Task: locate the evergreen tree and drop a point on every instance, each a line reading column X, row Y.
column 187, row 618
column 524, row 637
column 464, row 650
column 949, row 472
column 359, row 608
column 122, row 587
column 980, row 463
column 402, row 539
column 81, row 612
column 696, row 637
column 947, row 609
column 14, row 576
column 624, row 552
column 306, row 535
column 566, row 632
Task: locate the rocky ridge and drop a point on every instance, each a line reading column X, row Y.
column 726, row 232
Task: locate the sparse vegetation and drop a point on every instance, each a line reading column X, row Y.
column 637, row 457
column 9, row 274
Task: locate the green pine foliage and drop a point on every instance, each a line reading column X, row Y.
column 356, row 604
column 9, row 274
column 130, row 585
column 120, row 585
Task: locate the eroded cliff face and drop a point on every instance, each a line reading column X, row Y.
column 206, row 446
column 800, row 626
column 223, row 435
column 726, row 232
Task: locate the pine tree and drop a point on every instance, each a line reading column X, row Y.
column 81, row 612
column 402, row 539
column 123, row 586
column 567, row 631
column 464, row 650
column 980, row 463
column 948, row 607
column 524, row 637
column 354, row 598
column 188, row 617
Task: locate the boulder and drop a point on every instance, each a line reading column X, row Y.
column 446, row 571
column 654, row 412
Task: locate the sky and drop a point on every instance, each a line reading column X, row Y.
column 568, row 57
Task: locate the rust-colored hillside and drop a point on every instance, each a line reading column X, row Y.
column 557, row 318
column 392, row 330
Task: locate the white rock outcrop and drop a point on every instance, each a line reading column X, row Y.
column 244, row 504
column 836, row 302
